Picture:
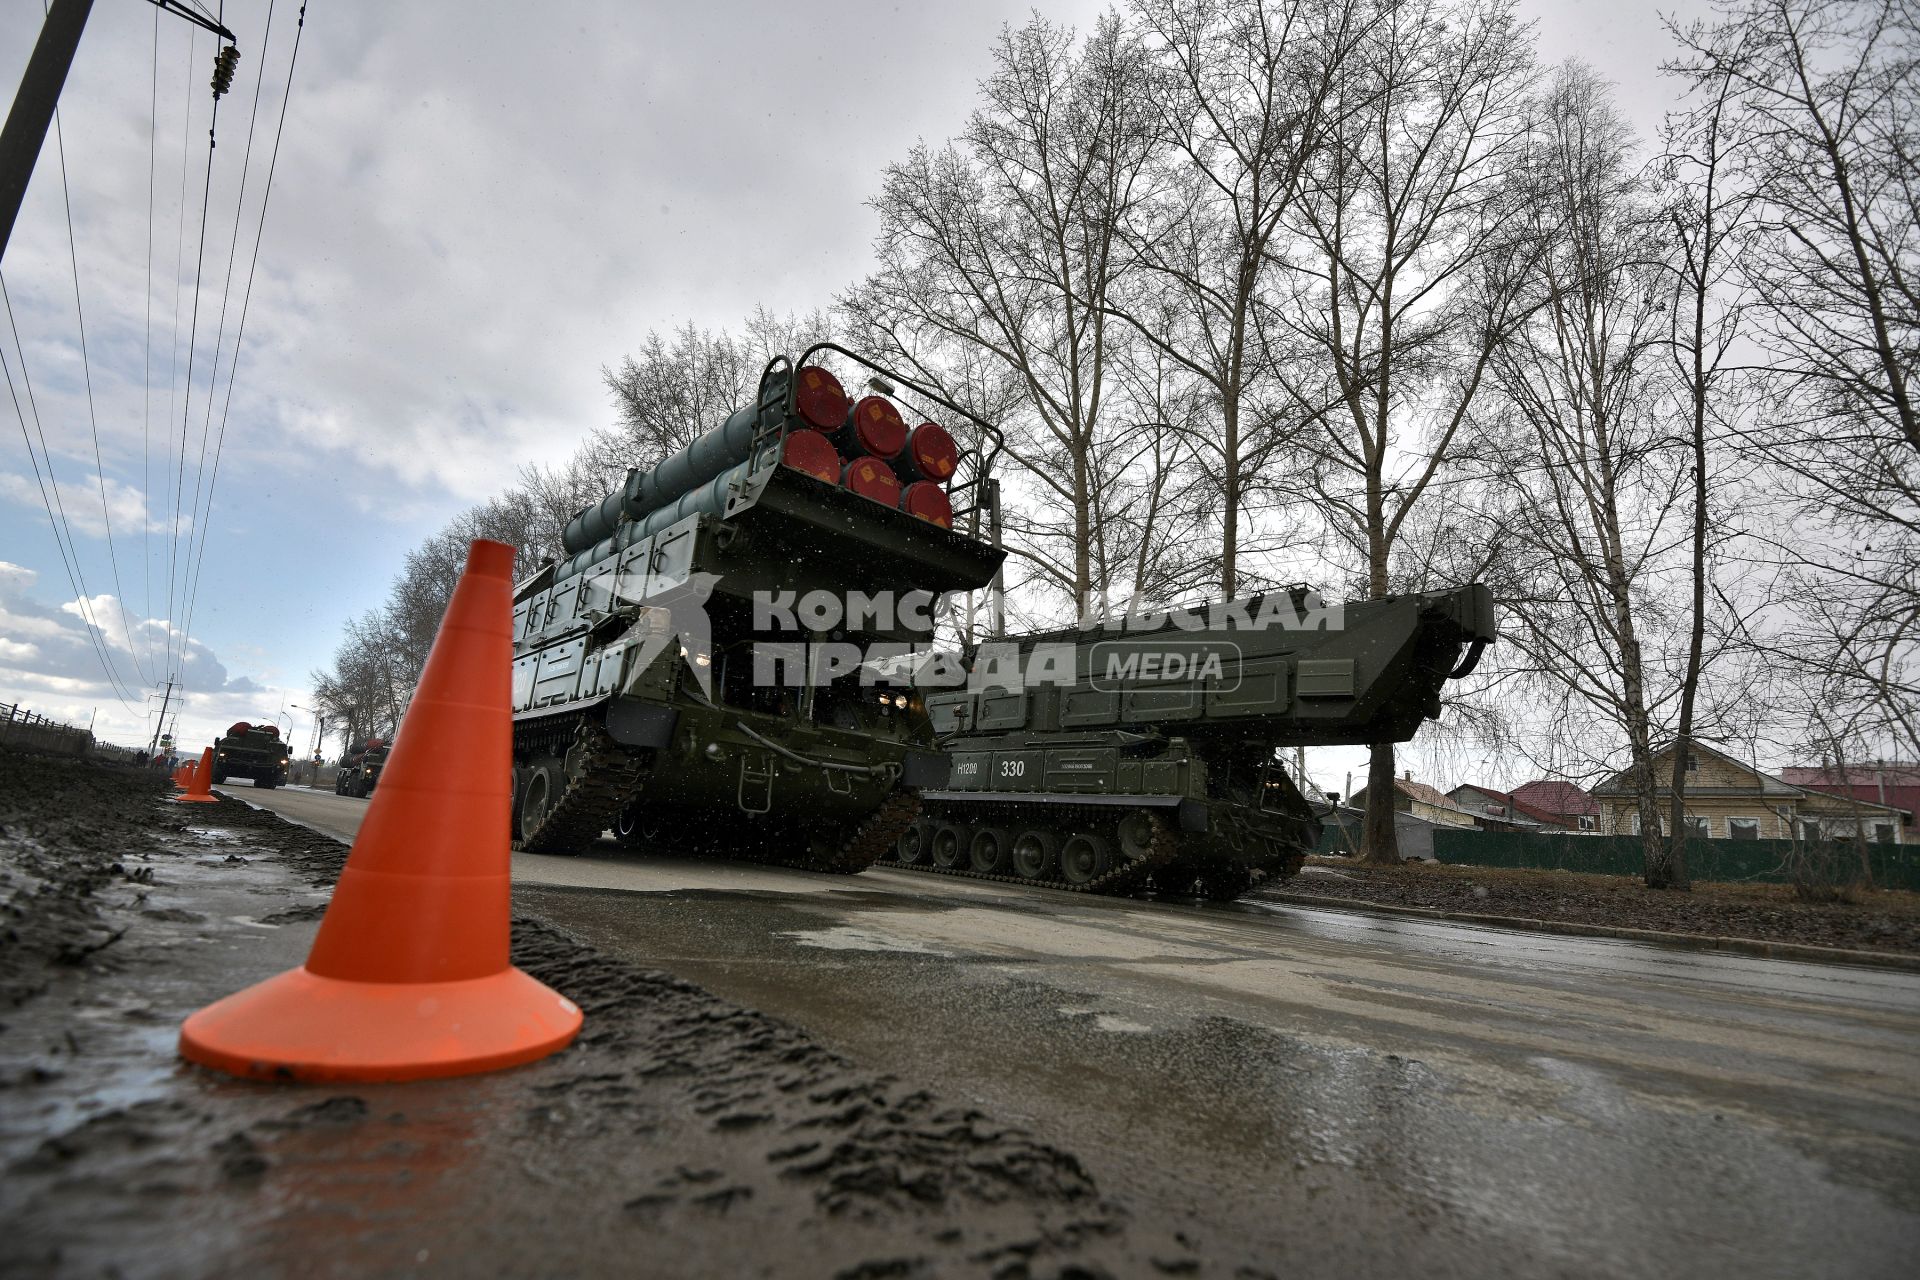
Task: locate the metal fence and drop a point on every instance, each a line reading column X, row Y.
column 23, row 730
column 1893, row 866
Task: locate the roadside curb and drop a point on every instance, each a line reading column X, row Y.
column 1688, row 941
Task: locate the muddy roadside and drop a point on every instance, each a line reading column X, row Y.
column 682, row 1135
column 1886, row 921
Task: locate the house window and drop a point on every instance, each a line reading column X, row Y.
column 1693, row 763
column 1810, row 829
column 1886, row 833
column 1586, row 822
column 1698, row 828
column 1743, row 828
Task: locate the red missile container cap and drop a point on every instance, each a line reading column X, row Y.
column 272, row 730
column 927, row 500
column 820, row 398
column 874, row 427
column 931, row 454
column 872, row 478
column 813, row 453
column 239, row 729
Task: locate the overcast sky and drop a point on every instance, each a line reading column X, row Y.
column 476, row 207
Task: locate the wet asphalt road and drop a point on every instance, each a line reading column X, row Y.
column 1332, row 1089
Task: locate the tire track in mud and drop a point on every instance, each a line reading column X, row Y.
column 681, row 1129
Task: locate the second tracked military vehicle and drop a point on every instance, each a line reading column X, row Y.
column 1145, row 754
column 695, row 673
column 360, row 767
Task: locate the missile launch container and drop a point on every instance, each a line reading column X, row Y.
column 1146, row 756
column 641, row 699
column 254, row 751
column 360, row 768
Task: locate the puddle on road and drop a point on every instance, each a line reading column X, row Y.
column 849, row 938
column 1110, row 1022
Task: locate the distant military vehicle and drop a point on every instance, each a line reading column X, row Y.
column 639, row 701
column 1146, row 758
column 360, row 768
column 254, row 751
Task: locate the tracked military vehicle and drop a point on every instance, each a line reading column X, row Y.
column 360, row 767
column 1143, row 756
column 254, row 751
column 654, row 685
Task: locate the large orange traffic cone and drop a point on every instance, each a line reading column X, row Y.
column 199, row 782
column 409, row 976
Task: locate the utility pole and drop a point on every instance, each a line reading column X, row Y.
column 33, row 105
column 39, row 94
column 161, row 723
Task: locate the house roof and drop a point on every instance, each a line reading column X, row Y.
column 1765, row 784
column 1894, row 773
column 1414, row 791
column 1894, row 784
column 1424, row 794
column 1557, row 799
column 1518, row 811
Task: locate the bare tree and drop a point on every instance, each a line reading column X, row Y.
column 674, row 388
column 1004, row 244
column 1403, row 264
column 1708, row 221
column 1241, row 94
column 1599, row 512
column 1819, row 109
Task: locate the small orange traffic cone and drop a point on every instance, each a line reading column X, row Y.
column 199, row 788
column 409, row 975
column 179, row 777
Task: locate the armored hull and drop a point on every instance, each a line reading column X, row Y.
column 1147, row 757
column 654, row 681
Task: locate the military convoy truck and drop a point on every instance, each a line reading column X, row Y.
column 1145, row 755
column 694, row 673
column 253, row 751
column 360, row 768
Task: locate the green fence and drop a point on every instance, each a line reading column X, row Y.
column 1894, row 866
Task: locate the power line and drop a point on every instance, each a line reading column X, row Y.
column 173, row 358
column 146, row 399
column 246, row 298
column 198, row 530
column 193, row 337
column 69, row 552
column 93, row 418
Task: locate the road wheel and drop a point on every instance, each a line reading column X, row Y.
column 1175, row 880
column 1135, row 836
column 914, row 844
column 218, row 777
column 1085, row 858
column 990, row 850
column 1226, row 882
column 538, row 795
column 1036, row 855
column 635, row 828
column 949, row 846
